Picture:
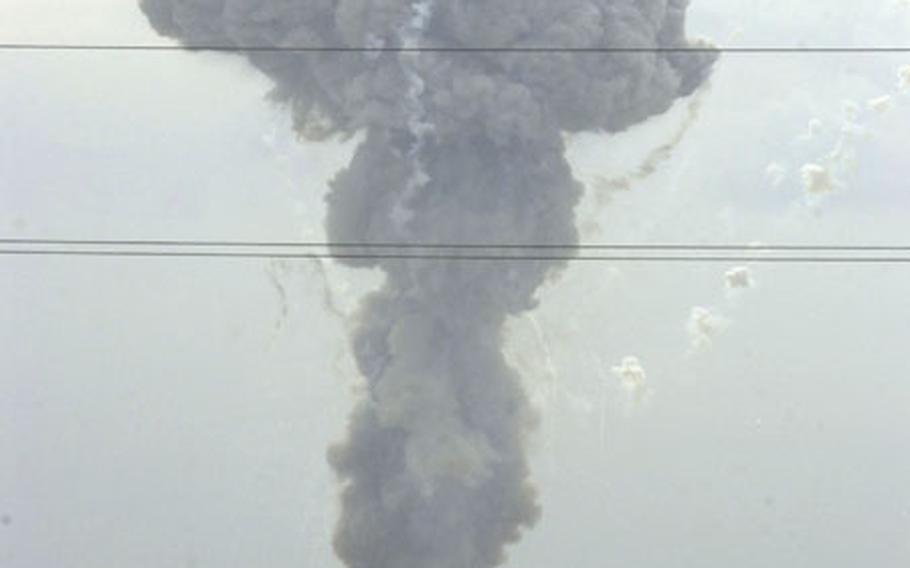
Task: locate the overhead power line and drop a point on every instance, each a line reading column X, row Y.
column 187, row 243
column 443, row 49
column 503, row 252
column 466, row 257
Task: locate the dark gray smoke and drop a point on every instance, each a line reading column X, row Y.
column 459, row 147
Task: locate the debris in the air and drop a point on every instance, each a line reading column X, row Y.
column 631, row 373
column 817, row 179
column 881, row 104
column 851, row 111
column 904, row 79
column 739, row 277
column 703, row 326
column 776, row 173
column 633, row 379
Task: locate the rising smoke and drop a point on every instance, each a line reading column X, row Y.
column 459, row 147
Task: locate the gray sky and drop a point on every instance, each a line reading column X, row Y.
column 170, row 413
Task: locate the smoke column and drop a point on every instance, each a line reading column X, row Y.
column 458, row 147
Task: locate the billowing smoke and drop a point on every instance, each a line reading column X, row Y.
column 459, row 147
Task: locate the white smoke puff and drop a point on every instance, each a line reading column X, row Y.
column 633, row 380
column 881, row 104
column 903, row 79
column 739, row 277
column 813, row 128
column 851, row 111
column 776, row 173
column 703, row 327
column 841, row 161
column 631, row 374
column 817, row 179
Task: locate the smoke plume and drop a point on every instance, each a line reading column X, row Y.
column 459, row 147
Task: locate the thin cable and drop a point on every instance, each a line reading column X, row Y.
column 461, row 257
column 449, row 246
column 432, row 49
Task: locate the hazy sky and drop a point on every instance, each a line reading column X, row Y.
column 176, row 412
